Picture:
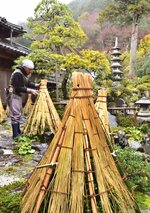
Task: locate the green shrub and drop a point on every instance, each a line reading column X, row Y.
column 137, row 170
column 24, row 145
column 134, row 134
column 142, row 199
column 126, row 121
column 10, row 201
column 145, row 128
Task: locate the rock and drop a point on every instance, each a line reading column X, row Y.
column 112, row 120
column 135, row 145
column 1, row 152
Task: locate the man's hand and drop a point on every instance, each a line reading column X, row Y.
column 32, row 91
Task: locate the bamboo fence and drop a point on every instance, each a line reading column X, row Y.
column 78, row 173
column 3, row 115
column 28, row 106
column 43, row 116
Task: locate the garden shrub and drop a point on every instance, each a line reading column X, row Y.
column 138, row 170
column 10, row 201
column 126, row 121
column 143, row 199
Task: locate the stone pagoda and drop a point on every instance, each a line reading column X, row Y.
column 115, row 65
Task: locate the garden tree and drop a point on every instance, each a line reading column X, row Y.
column 79, row 7
column 145, row 44
column 125, row 13
column 142, row 62
column 93, row 62
column 57, row 40
column 54, row 33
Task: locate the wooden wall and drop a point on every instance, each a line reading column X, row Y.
column 4, row 82
column 5, row 73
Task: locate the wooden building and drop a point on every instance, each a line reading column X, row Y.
column 9, row 51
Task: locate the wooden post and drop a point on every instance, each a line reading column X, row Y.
column 135, row 117
column 56, row 79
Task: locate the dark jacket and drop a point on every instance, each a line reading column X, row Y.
column 20, row 82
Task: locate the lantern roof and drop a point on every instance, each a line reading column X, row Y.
column 144, row 101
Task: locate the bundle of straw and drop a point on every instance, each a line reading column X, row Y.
column 7, row 111
column 101, row 107
column 43, row 116
column 78, row 171
column 28, row 106
column 3, row 115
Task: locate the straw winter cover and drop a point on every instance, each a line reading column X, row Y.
column 43, row 115
column 28, row 106
column 3, row 115
column 101, row 108
column 77, row 173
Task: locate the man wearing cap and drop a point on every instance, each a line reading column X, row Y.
column 19, row 84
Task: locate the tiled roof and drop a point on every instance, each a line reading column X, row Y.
column 7, row 27
column 14, row 47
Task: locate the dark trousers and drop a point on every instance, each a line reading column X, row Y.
column 15, row 106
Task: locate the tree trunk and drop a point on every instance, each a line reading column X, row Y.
column 64, row 85
column 133, row 49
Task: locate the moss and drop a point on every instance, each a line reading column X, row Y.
column 10, row 198
column 142, row 199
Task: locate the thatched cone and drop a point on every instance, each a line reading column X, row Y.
column 28, row 106
column 101, row 107
column 3, row 115
column 43, row 115
column 7, row 111
column 78, row 169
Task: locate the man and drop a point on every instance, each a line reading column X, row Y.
column 19, row 84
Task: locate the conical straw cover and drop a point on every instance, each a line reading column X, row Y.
column 43, row 116
column 2, row 112
column 28, row 106
column 101, row 107
column 78, row 173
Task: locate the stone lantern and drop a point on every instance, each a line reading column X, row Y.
column 144, row 113
column 115, row 64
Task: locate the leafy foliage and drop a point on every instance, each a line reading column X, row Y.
column 134, row 134
column 125, row 13
column 56, row 44
column 80, row 7
column 143, row 199
column 132, row 11
column 136, row 169
column 9, row 201
column 24, row 146
column 126, row 121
